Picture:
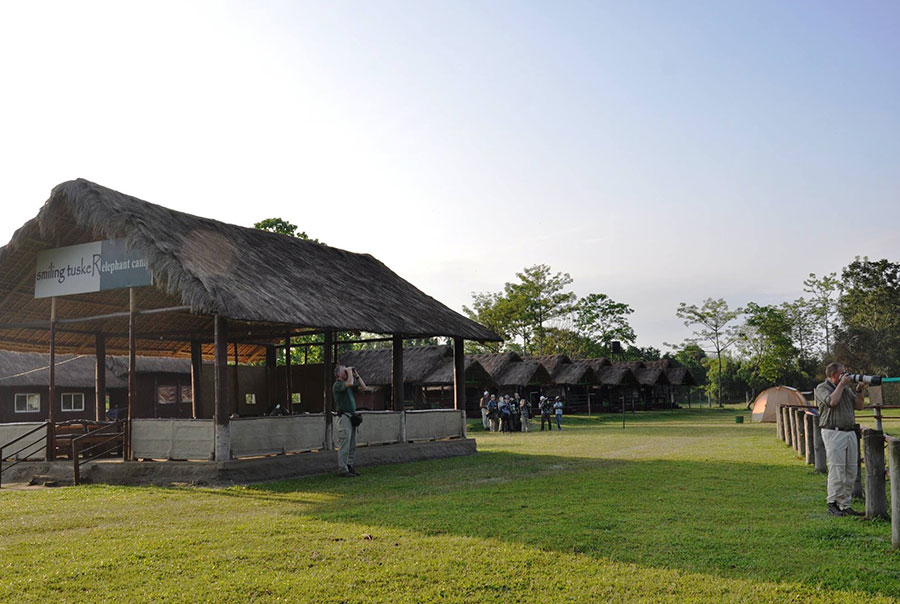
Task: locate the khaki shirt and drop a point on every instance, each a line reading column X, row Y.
column 842, row 414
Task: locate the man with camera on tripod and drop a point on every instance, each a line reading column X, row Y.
column 346, row 384
column 837, row 398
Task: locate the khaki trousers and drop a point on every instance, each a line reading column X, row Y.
column 841, row 452
column 346, row 435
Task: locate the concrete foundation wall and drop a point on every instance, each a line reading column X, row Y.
column 271, row 435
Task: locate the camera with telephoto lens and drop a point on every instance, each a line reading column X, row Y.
column 871, row 380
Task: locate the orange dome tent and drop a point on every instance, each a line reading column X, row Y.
column 767, row 401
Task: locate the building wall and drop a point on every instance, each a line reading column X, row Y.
column 8, row 404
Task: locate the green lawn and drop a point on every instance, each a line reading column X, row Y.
column 687, row 507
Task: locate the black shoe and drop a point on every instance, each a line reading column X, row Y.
column 352, row 471
column 346, row 475
column 851, row 512
column 834, row 510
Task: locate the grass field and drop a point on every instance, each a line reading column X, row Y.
column 684, row 507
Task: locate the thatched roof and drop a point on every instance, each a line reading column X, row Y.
column 495, row 363
column 680, row 376
column 575, row 374
column 265, row 284
column 523, row 373
column 553, row 363
column 442, row 374
column 616, row 376
column 650, row 376
column 422, row 365
column 33, row 369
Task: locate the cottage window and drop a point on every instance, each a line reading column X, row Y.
column 250, row 398
column 295, row 398
column 187, row 394
column 28, row 403
column 166, row 395
column 73, row 401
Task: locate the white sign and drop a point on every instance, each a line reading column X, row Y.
column 89, row 267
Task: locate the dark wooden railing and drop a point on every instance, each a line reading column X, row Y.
column 14, row 454
column 104, row 440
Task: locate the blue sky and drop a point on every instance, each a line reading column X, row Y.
column 659, row 152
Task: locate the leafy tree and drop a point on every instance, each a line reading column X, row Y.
column 692, row 357
column 539, row 294
column 769, row 353
column 283, row 227
column 600, row 320
column 825, row 291
column 713, row 320
column 869, row 307
column 642, row 353
column 802, row 314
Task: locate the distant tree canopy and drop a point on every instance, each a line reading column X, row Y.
column 853, row 319
column 537, row 315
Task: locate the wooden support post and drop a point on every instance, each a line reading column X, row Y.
column 51, row 394
column 876, row 496
column 132, row 370
column 801, row 431
column 459, row 381
column 397, row 373
column 328, row 362
column 222, row 450
column 236, row 380
column 100, row 378
column 271, row 372
column 819, row 444
column 894, row 456
column 288, row 382
column 459, row 375
column 196, row 377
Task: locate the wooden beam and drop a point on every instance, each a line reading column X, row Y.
column 100, row 378
column 132, row 367
column 51, row 394
column 287, row 375
column 397, row 373
column 328, row 370
column 196, row 377
column 459, row 375
column 222, row 450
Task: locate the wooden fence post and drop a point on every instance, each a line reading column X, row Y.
column 793, row 423
column 779, row 423
column 809, row 419
column 894, row 453
column 857, row 487
column 801, row 431
column 786, row 424
column 821, row 462
column 876, row 497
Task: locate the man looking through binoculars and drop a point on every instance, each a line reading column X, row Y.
column 837, row 398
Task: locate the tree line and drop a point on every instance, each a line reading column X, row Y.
column 853, row 318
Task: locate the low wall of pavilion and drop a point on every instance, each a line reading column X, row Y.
column 193, row 439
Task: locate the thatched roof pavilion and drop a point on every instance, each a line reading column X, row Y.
column 213, row 285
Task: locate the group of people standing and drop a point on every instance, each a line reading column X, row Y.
column 510, row 413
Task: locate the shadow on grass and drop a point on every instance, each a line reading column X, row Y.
column 735, row 520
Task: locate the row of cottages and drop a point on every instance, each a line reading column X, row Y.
column 584, row 384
